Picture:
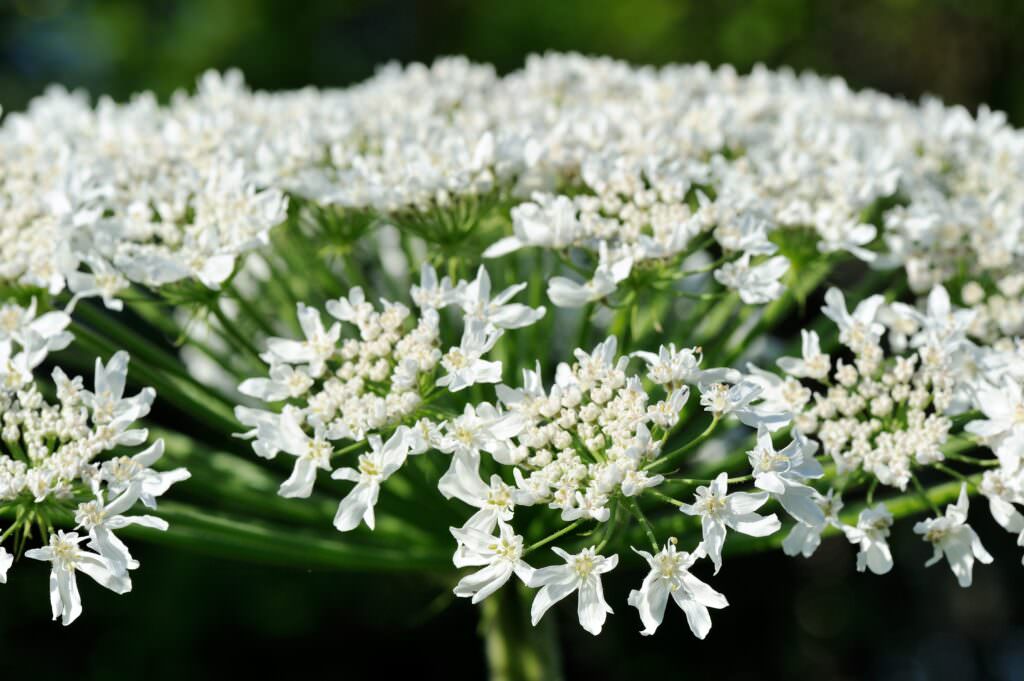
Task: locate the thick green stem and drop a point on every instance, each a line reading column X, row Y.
column 517, row 651
column 239, row 538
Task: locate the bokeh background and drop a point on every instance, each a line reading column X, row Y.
column 189, row 614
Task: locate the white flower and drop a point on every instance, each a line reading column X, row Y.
column 670, row 576
column 952, row 537
column 16, row 368
column 66, row 559
column 804, row 539
column 550, row 222
column 285, row 381
column 722, row 400
column 756, row 284
column 496, row 501
column 433, row 294
column 311, row 453
column 565, row 292
column 47, row 331
column 121, row 473
column 110, row 407
column 6, row 560
column 673, row 367
column 860, row 328
column 942, row 325
column 719, row 510
column 319, row 346
column 839, row 234
column 375, row 467
column 1003, row 490
column 100, row 522
column 870, row 534
column 812, row 364
column 104, row 280
column 496, row 312
column 481, row 429
column 581, row 573
column 500, row 558
column 465, row 364
column 353, row 308
column 782, row 474
column 747, row 232
column 1004, row 408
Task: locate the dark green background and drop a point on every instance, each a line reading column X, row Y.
column 190, row 615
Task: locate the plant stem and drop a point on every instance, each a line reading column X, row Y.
column 634, row 508
column 553, row 536
column 924, row 495
column 235, row 335
column 517, row 651
column 668, row 458
column 665, row 497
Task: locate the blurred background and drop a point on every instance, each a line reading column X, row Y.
column 789, row 618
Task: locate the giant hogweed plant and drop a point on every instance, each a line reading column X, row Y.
column 510, row 329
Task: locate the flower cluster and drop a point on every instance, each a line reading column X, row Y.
column 652, row 207
column 356, row 389
column 94, row 198
column 624, row 165
column 891, row 414
column 61, row 463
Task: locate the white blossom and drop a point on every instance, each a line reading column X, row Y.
column 499, row 557
column 719, row 510
column 465, row 364
column 670, row 576
column 952, row 537
column 67, row 559
column 870, row 534
column 374, row 467
column 581, row 574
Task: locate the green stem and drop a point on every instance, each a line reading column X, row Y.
column 234, row 334
column 250, row 311
column 665, row 497
column 634, row 508
column 671, row 456
column 924, row 495
column 553, row 536
column 610, row 527
column 705, row 481
column 517, row 651
column 244, row 539
column 621, row 322
column 142, row 350
column 584, row 332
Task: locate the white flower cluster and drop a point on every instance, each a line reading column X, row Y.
column 58, row 462
column 94, row 198
column 330, row 389
column 668, row 199
column 892, row 414
column 591, row 442
column 630, row 165
column 886, row 413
